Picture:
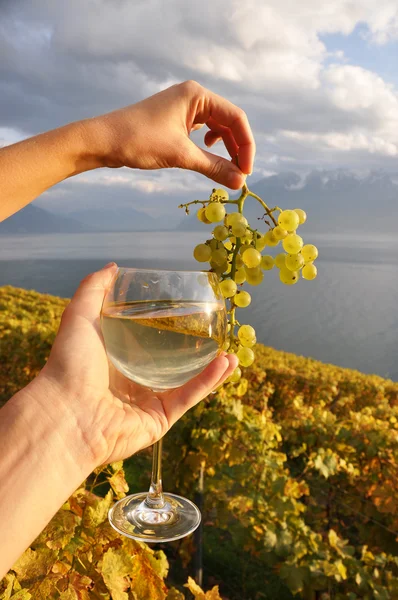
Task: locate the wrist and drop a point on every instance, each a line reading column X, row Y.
column 104, row 142
column 46, row 416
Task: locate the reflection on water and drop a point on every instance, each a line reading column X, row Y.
column 348, row 316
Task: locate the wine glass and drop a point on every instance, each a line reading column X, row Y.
column 161, row 328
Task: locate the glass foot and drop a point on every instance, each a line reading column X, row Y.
column 132, row 517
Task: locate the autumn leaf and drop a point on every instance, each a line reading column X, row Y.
column 79, row 587
column 174, row 594
column 118, row 483
column 145, row 582
column 59, row 531
column 199, row 594
column 21, row 595
column 159, row 563
column 97, row 513
column 116, row 568
column 7, row 584
column 34, row 564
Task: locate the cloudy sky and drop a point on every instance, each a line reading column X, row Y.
column 317, row 78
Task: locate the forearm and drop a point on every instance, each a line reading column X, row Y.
column 43, row 460
column 30, row 167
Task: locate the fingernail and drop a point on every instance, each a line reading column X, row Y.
column 108, row 266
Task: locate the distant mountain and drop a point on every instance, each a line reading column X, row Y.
column 33, row 219
column 117, row 219
column 338, row 200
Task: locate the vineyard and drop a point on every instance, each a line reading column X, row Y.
column 299, row 463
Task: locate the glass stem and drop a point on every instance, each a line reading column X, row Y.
column 155, row 497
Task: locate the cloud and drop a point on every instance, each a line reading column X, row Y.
column 308, row 107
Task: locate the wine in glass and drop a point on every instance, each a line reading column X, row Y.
column 161, row 328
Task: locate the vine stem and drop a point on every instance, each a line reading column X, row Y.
column 264, row 205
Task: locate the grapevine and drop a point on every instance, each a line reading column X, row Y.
column 238, row 254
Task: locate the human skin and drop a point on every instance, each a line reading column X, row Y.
column 152, row 134
column 68, row 420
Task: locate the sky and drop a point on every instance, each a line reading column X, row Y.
column 318, row 80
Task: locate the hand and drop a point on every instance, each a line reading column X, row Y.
column 78, row 372
column 154, row 134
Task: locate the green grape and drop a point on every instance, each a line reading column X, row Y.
column 202, row 252
column 251, row 257
column 279, row 233
column 242, row 299
column 239, row 230
column 202, row 216
column 215, row 212
column 226, row 345
column 228, row 288
column 246, row 356
column 267, row 262
column 229, row 268
column 271, row 239
column 280, row 260
column 220, row 233
column 294, row 262
column 288, row 277
column 214, row 244
column 309, row 252
column 235, row 376
column 248, row 343
column 288, row 219
column 293, row 243
column 219, row 256
column 240, row 276
column 220, row 194
column 309, row 271
column 235, row 218
column 261, row 242
column 244, row 247
column 254, row 276
column 221, row 269
column 238, row 261
column 246, row 332
column 228, row 245
column 302, row 215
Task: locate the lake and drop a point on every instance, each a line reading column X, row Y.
column 348, row 316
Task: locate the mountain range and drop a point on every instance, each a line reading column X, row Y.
column 336, row 201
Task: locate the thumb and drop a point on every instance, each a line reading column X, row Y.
column 215, row 167
column 88, row 298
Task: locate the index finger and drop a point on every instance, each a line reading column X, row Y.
column 229, row 115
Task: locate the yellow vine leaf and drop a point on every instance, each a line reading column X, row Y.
column 119, row 484
column 8, row 581
column 159, row 562
column 199, row 594
column 341, row 568
column 78, row 589
column 21, row 595
column 34, row 564
column 174, row 594
column 145, row 581
column 116, row 568
column 96, row 514
column 60, row 530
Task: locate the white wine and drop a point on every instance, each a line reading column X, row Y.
column 163, row 344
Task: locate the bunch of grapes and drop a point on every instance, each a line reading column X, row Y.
column 237, row 253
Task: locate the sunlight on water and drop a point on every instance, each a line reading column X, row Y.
column 348, row 316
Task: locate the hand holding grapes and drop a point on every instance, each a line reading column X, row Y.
column 152, row 134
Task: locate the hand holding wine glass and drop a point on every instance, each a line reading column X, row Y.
column 114, row 429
